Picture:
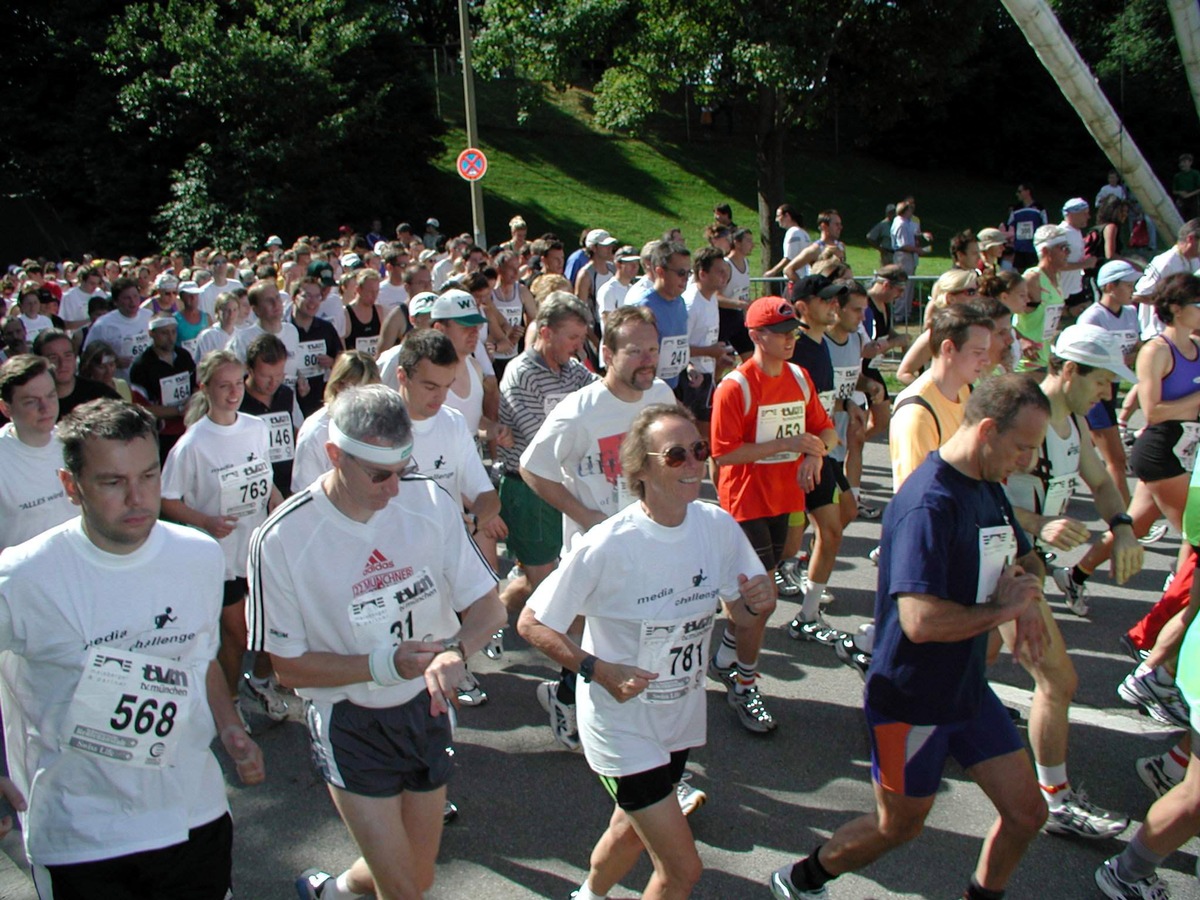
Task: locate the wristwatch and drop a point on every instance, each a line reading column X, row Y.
column 1120, row 519
column 454, row 645
column 587, row 668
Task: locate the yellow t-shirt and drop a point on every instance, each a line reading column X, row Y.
column 914, row 431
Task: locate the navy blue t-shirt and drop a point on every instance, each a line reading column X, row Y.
column 813, row 356
column 931, row 534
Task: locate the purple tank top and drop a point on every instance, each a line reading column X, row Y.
column 1184, row 377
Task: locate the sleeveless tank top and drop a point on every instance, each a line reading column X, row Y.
column 365, row 330
column 471, row 406
column 1048, row 488
column 514, row 314
column 1184, row 377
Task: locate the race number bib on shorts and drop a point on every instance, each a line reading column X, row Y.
column 828, row 400
column 1050, row 324
column 997, row 548
column 175, row 389
column 308, row 352
column 279, row 425
column 367, row 345
column 246, row 489
column 779, row 420
column 676, row 651
column 1058, row 495
column 127, row 707
column 1185, row 447
column 672, row 356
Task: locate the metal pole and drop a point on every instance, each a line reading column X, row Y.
column 437, row 84
column 464, row 28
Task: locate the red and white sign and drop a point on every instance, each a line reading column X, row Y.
column 472, row 164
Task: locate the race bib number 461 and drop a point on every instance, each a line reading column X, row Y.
column 128, row 706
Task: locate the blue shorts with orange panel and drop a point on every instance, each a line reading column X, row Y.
column 909, row 759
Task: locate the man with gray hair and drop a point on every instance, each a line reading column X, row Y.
column 1038, row 328
column 358, row 586
column 533, row 385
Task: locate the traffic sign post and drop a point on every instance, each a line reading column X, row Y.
column 472, row 164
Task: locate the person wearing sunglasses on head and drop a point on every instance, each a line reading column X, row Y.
column 669, row 268
column 770, row 436
column 359, row 585
column 646, row 580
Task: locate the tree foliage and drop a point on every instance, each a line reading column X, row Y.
column 194, row 122
column 773, row 60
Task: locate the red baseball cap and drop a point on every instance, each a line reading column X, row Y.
column 773, row 314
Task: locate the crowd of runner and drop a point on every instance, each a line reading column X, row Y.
column 383, row 454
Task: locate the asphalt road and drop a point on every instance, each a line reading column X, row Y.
column 532, row 811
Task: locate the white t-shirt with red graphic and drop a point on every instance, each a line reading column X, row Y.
column 579, row 445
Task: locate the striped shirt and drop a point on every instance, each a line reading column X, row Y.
column 528, row 392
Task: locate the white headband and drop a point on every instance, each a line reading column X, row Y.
column 161, row 322
column 385, row 456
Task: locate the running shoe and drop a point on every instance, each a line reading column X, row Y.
column 1131, row 649
column 724, row 674
column 751, row 710
column 783, row 889
column 470, row 693
column 1074, row 594
column 817, row 630
column 849, row 653
column 494, row 648
column 1161, row 702
column 237, row 706
column 873, row 556
column 267, row 695
column 788, row 579
column 1079, row 816
column 562, row 715
column 310, row 882
column 690, row 798
column 1111, row 885
column 449, row 813
column 1153, row 773
column 869, row 512
column 826, row 597
column 1154, row 535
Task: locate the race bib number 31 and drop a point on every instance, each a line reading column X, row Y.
column 128, row 706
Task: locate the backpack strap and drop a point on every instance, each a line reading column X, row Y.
column 918, row 400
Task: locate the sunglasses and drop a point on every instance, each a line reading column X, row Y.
column 676, row 456
column 681, row 273
column 379, row 476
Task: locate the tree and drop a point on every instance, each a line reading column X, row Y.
column 773, row 58
column 296, row 115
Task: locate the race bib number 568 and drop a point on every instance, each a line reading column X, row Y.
column 127, row 707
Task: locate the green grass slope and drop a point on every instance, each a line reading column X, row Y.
column 561, row 173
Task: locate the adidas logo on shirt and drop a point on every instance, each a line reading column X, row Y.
column 377, row 562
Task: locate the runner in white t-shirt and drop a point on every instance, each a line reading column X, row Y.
column 218, row 478
column 648, row 581
column 312, row 461
column 111, row 696
column 31, row 496
column 446, row 453
column 126, row 328
column 364, row 559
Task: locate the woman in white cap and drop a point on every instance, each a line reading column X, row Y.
column 190, row 320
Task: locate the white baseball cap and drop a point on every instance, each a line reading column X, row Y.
column 1117, row 270
column 1093, row 346
column 457, row 306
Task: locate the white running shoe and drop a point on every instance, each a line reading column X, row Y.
column 562, row 715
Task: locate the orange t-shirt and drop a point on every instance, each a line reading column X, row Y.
column 778, row 407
